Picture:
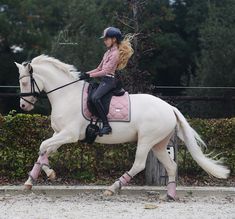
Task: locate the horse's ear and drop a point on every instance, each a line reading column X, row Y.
column 18, row 65
column 30, row 69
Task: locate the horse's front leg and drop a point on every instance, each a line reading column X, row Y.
column 46, row 168
column 48, row 146
column 42, row 163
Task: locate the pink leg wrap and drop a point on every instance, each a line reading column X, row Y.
column 125, row 179
column 171, row 189
column 43, row 159
column 35, row 171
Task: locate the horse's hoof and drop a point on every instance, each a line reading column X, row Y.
column 167, row 198
column 108, row 193
column 52, row 175
column 170, row 198
column 27, row 187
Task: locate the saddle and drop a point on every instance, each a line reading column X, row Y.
column 116, row 104
column 106, row 99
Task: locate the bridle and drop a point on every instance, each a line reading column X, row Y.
column 33, row 85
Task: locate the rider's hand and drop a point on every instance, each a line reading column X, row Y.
column 84, row 76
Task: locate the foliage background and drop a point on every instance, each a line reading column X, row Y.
column 22, row 134
column 177, row 43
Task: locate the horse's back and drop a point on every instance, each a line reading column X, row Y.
column 148, row 101
column 146, row 107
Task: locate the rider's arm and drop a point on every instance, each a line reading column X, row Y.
column 96, row 69
column 108, row 66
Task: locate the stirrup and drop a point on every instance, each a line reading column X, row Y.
column 105, row 132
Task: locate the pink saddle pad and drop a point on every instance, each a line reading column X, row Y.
column 119, row 109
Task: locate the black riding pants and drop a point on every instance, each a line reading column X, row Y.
column 107, row 84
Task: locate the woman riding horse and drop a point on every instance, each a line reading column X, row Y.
column 115, row 58
column 150, row 130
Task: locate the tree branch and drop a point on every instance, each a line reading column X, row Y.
column 121, row 21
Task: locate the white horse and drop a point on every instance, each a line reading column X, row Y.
column 152, row 124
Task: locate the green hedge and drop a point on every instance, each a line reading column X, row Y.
column 21, row 135
column 219, row 135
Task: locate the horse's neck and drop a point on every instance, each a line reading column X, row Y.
column 53, row 79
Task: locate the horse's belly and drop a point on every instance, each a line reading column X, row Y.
column 122, row 132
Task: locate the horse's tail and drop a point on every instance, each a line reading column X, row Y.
column 193, row 142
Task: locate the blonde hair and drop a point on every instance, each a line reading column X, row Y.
column 125, row 51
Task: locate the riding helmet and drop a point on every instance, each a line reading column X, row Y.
column 113, row 32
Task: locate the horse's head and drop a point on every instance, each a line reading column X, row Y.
column 30, row 86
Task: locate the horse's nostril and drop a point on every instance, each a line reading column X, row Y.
column 23, row 105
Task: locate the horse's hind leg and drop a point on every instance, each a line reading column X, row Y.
column 160, row 151
column 139, row 164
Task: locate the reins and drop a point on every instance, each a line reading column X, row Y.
column 63, row 86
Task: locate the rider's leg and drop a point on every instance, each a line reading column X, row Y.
column 105, row 86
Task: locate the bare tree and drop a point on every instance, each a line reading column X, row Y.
column 136, row 79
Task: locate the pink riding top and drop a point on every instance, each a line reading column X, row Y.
column 109, row 63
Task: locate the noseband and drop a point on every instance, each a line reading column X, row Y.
column 34, row 84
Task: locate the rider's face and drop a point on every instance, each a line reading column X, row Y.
column 109, row 41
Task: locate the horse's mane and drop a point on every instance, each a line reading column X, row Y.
column 66, row 68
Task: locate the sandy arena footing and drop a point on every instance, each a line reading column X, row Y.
column 88, row 202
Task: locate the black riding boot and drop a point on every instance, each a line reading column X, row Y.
column 106, row 129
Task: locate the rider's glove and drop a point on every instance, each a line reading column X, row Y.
column 84, row 76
